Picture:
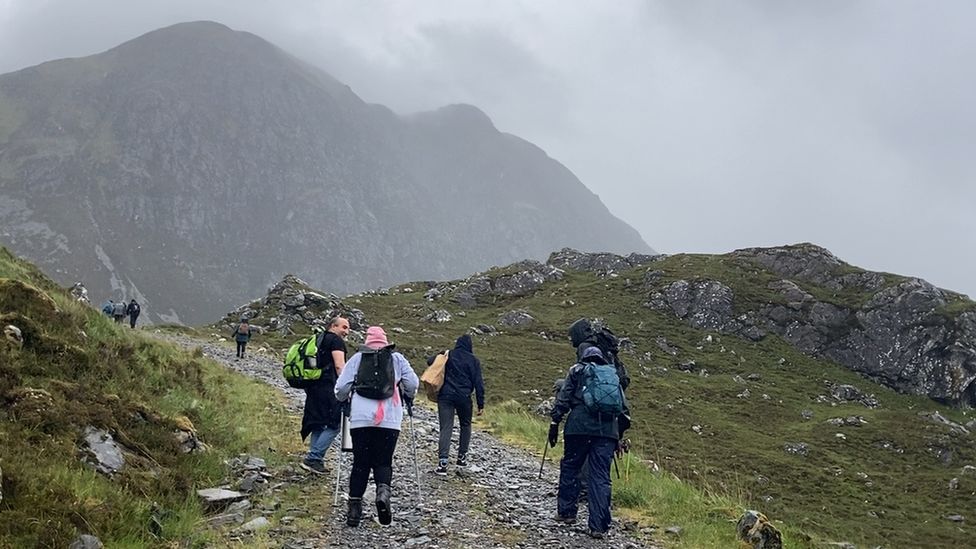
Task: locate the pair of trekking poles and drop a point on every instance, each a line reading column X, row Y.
column 346, row 446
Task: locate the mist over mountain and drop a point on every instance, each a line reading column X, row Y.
column 194, row 166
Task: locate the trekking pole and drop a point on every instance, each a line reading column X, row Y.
column 416, row 469
column 615, row 467
column 545, row 450
column 335, row 499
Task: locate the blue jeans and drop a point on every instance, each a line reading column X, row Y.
column 597, row 452
column 319, row 442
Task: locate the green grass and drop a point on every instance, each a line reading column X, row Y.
column 86, row 370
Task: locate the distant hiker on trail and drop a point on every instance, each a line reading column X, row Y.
column 596, row 412
column 321, row 420
column 108, row 307
column 370, row 379
column 118, row 311
column 242, row 334
column 462, row 375
column 133, row 311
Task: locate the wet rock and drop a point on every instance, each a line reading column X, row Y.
column 86, row 541
column 796, row 448
column 104, row 454
column 439, row 316
column 218, row 498
column 13, row 335
column 756, row 530
column 256, row 525
column 517, row 318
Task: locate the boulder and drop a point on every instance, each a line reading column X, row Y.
column 86, row 541
column 104, row 454
column 756, row 530
column 517, row 318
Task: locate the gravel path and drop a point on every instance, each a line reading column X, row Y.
column 497, row 501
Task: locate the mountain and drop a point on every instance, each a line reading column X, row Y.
column 195, row 165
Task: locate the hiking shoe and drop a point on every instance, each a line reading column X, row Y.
column 597, row 535
column 383, row 511
column 313, row 467
column 565, row 520
column 462, row 460
column 441, row 470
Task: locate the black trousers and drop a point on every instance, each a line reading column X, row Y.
column 240, row 348
column 372, row 450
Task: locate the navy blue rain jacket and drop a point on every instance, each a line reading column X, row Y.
column 462, row 375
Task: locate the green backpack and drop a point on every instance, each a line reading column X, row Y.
column 301, row 369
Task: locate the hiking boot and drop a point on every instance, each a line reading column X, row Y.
column 354, row 512
column 565, row 520
column 462, row 460
column 597, row 535
column 314, row 467
column 441, row 468
column 383, row 511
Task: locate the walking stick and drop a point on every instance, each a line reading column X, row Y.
column 545, row 450
column 616, row 468
column 342, row 424
column 416, row 469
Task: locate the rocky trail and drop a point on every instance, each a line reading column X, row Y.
column 496, row 501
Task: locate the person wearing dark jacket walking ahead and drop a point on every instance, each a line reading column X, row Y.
column 242, row 334
column 322, row 416
column 588, row 436
column 374, row 423
column 133, row 311
column 462, row 376
column 118, row 311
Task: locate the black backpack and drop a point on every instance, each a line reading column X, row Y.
column 376, row 378
column 609, row 345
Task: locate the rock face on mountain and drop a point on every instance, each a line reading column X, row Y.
column 901, row 332
column 194, row 166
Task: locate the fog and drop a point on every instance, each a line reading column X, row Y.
column 708, row 126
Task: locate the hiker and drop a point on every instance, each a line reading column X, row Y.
column 374, row 420
column 108, row 307
column 462, row 375
column 590, row 436
column 321, row 420
column 118, row 311
column 583, row 335
column 242, row 334
column 133, row 311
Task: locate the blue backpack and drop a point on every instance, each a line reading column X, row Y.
column 601, row 392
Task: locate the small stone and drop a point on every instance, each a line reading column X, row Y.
column 956, row 518
column 673, row 530
column 256, row 525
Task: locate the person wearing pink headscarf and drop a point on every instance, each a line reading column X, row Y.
column 374, row 425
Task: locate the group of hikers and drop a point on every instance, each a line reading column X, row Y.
column 371, row 390
column 118, row 310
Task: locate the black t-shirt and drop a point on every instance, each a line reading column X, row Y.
column 327, row 343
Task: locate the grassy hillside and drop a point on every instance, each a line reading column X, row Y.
column 884, row 482
column 76, row 369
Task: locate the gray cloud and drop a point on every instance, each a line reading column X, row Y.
column 708, row 126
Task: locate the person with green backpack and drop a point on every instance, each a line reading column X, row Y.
column 593, row 403
column 322, row 416
column 370, row 382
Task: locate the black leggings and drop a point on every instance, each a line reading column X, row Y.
column 372, row 449
column 240, row 347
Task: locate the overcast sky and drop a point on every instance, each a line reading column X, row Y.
column 708, row 126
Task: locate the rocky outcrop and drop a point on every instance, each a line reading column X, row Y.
column 899, row 332
column 603, row 263
column 292, row 306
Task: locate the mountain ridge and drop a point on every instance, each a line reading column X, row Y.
column 195, row 165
